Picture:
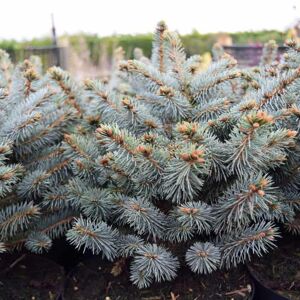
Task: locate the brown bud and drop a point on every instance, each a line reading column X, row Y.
column 182, row 128
column 6, row 176
column 261, row 114
column 105, row 131
column 258, row 236
column 198, row 152
column 201, row 160
column 185, row 210
column 166, row 91
column 291, row 133
column 262, row 234
column 137, row 207
column 268, row 119
column 31, row 74
column 37, row 116
column 67, row 137
column 140, row 148
column 255, row 85
column 255, row 125
column 4, row 149
column 149, row 138
column 81, row 129
column 194, row 127
column 126, row 102
column 27, row 63
column 194, row 155
column 224, row 119
column 273, row 206
column 285, row 56
column 185, row 156
column 5, row 93
column 193, row 69
column 144, row 150
column 188, row 211
column 291, row 43
column 55, row 73
column 251, row 104
column 93, row 119
column 104, row 96
column 261, row 193
column 268, row 95
column 124, row 67
column 151, row 256
column 295, row 110
column 104, row 161
column 264, row 182
column 105, row 80
column 150, row 124
column 88, row 84
column 211, row 123
column 80, row 164
column 202, row 253
column 252, row 188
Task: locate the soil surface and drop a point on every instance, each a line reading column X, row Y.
column 280, row 269
column 30, row 277
column 34, row 277
column 93, row 280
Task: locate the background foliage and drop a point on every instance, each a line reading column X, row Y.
column 194, row 43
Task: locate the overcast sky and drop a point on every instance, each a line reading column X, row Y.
column 23, row 19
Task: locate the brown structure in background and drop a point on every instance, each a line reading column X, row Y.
column 249, row 55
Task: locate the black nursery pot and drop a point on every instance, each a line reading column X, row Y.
column 262, row 292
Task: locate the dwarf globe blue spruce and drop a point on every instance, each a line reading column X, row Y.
column 169, row 165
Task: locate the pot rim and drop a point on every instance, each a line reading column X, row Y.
column 257, row 281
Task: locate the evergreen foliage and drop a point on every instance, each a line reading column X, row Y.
column 181, row 165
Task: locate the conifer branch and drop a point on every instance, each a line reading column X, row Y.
column 97, row 237
column 257, row 239
column 203, row 258
column 279, row 89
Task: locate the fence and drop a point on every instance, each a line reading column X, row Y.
column 249, row 55
column 50, row 56
column 58, row 56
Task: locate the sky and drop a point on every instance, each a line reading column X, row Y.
column 26, row 19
